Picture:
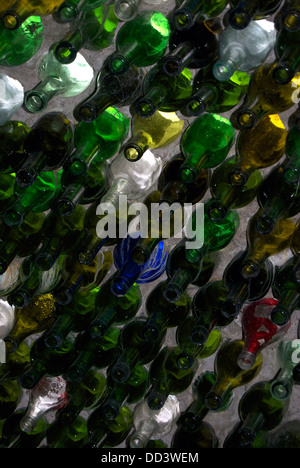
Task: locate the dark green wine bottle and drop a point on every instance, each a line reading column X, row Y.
column 287, row 54
column 11, row 395
column 111, row 310
column 189, row 11
column 91, row 353
column 242, row 13
column 74, row 435
column 16, row 363
column 47, row 361
column 288, row 16
column 69, row 10
column 204, row 437
column 85, row 395
column 232, row 439
column 166, row 378
column 162, row 315
column 134, row 350
column 127, row 393
column 13, row 437
column 13, row 135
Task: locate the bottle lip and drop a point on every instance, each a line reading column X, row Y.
column 217, row 212
column 150, row 333
column 155, row 401
column 44, row 261
column 246, row 119
column 65, row 207
column 87, row 112
column 52, row 341
column 65, row 52
column 25, row 178
column 184, row 361
column 118, row 64
column 213, row 401
column 279, row 316
column 172, row 293
column 280, row 389
column 246, row 437
column 66, row 13
column 195, row 106
column 19, row 299
column 246, row 360
column 199, row 335
column 291, row 21
column 250, row 270
column 96, row 331
column 125, row 11
column 110, row 410
column 144, row 108
column 120, row 372
column 172, row 66
column 13, row 218
column 182, row 20
column 11, row 20
column 230, row 309
column 265, row 225
column 34, row 101
column 74, row 375
column 187, row 174
column 239, row 19
column 28, row 381
column 282, row 74
column 132, row 152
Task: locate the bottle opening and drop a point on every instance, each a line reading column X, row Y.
column 24, row 178
column 246, row 119
column 110, row 410
column 120, row 372
column 67, row 13
column 19, row 299
column 229, row 309
column 291, row 176
column 65, row 53
column 118, row 64
column 213, row 401
column 190, row 422
column 150, row 334
column 282, row 75
column 182, row 20
column 246, row 361
column 199, row 336
column 52, row 341
column 265, row 225
column 239, row 20
column 246, row 437
column 44, row 261
column 132, row 153
column 77, row 167
column 172, row 66
column 87, row 113
column 119, row 287
column 65, row 207
column 34, row 102
column 279, row 317
column 63, row 297
column 145, row 109
column 140, row 255
column 216, row 212
column 195, row 107
column 86, row 258
column 193, row 256
column 291, row 21
column 250, row 270
column 184, row 361
column 11, row 21
column 222, row 72
column 125, row 11
column 172, row 293
column 96, row 331
column 155, row 401
column 28, row 381
column 237, row 178
column 74, row 375
column 280, row 390
column 187, row 175
column 13, row 218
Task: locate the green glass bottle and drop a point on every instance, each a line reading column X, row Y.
column 13, row 135
column 98, row 141
column 259, row 411
column 127, row 393
column 192, row 350
column 19, row 46
column 111, row 310
column 289, row 15
column 228, row 374
column 166, row 378
column 34, row 318
column 36, row 199
column 140, row 42
column 162, row 315
column 85, row 395
column 16, row 363
column 14, row 437
column 282, row 384
column 74, row 435
column 61, row 236
column 134, row 350
column 17, row 14
column 7, row 191
column 11, row 395
column 204, row 437
column 211, row 95
column 232, row 439
column 105, row 434
column 93, row 354
column 94, row 29
column 227, row 196
column 47, row 361
column 57, row 79
column 192, row 417
column 162, row 92
column 111, row 90
column 286, row 290
column 217, row 234
column 242, row 13
column 74, row 317
column 292, row 154
column 182, row 273
column 205, row 144
column 287, row 54
column 20, row 241
column 69, row 10
column 188, row 11
column 295, row 249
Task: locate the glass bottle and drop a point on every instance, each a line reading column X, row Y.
column 10, row 279
column 153, row 424
column 74, row 435
column 156, row 132
column 70, row 10
column 242, row 13
column 162, row 315
column 261, row 246
column 34, row 318
column 11, row 395
column 110, row 309
column 140, row 42
column 265, row 97
column 17, row 362
column 162, row 92
column 292, row 155
column 13, row 134
column 259, row 411
column 289, row 15
column 126, row 10
column 94, row 29
column 241, row 290
column 227, row 196
column 166, row 378
column 15, row 16
column 85, row 395
column 112, row 90
column 228, row 374
column 12, row 97
column 286, row 290
column 104, row 434
column 129, row 272
column 287, row 54
column 48, row 146
column 232, row 439
column 211, row 95
column 48, row 395
column 244, row 50
column 204, row 437
column 258, row 330
column 283, row 383
column 14, row 437
column 134, row 350
column 194, row 48
column 47, row 361
column 205, row 144
column 58, row 79
column 295, row 249
column 259, row 148
column 189, row 11
column 19, row 46
column 92, row 353
column 125, row 393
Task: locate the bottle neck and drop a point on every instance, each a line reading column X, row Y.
column 159, row 393
column 202, row 100
column 143, row 433
column 34, row 374
column 80, row 164
column 92, row 107
column 56, row 335
column 66, row 50
column 102, row 322
column 250, row 428
column 37, row 99
column 288, row 302
column 288, row 66
column 222, row 203
column 80, row 366
column 229, row 63
column 70, row 199
column 241, row 16
column 291, row 172
column 175, row 62
column 156, row 326
column 192, row 167
column 116, row 399
column 187, row 14
column 125, row 278
column 152, row 101
column 178, row 284
column 126, row 362
column 13, row 19
column 142, row 252
column 137, row 146
column 237, row 296
column 124, row 57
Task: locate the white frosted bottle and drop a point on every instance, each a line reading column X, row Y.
column 11, row 97
column 245, row 49
column 153, row 424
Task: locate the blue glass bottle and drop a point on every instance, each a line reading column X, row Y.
column 130, row 272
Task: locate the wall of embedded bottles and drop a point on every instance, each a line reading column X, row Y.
column 141, row 342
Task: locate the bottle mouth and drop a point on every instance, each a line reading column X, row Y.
column 187, row 174
column 52, row 341
column 246, row 119
column 144, row 108
column 213, row 401
column 120, row 372
column 87, row 112
column 11, row 20
column 77, row 167
column 10, row 345
column 199, row 335
column 182, row 20
column 279, row 316
column 246, row 361
column 172, row 293
column 249, row 270
column 34, row 102
column 280, row 390
column 156, row 401
column 237, row 178
column 96, row 331
column 195, row 106
column 63, row 297
column 125, row 11
column 291, row 21
column 184, row 361
column 65, row 207
column 133, row 153
column 118, row 64
column 44, row 261
column 13, row 218
column 26, row 425
column 19, row 299
column 24, row 178
column 265, row 225
column 217, row 212
column 282, row 75
column 28, row 381
column 223, row 71
column 190, row 422
column 150, row 334
column 172, row 66
column 67, row 13
column 110, row 410
column 74, row 375
column 86, row 258
column 65, row 53
column 246, row 437
column 136, row 442
column 193, row 256
column 230, row 309
column 239, row 19
column 119, row 287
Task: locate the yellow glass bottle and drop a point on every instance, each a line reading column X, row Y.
column 261, row 247
column 259, row 148
column 265, row 97
column 36, row 317
column 20, row 10
column 228, row 374
column 157, row 131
